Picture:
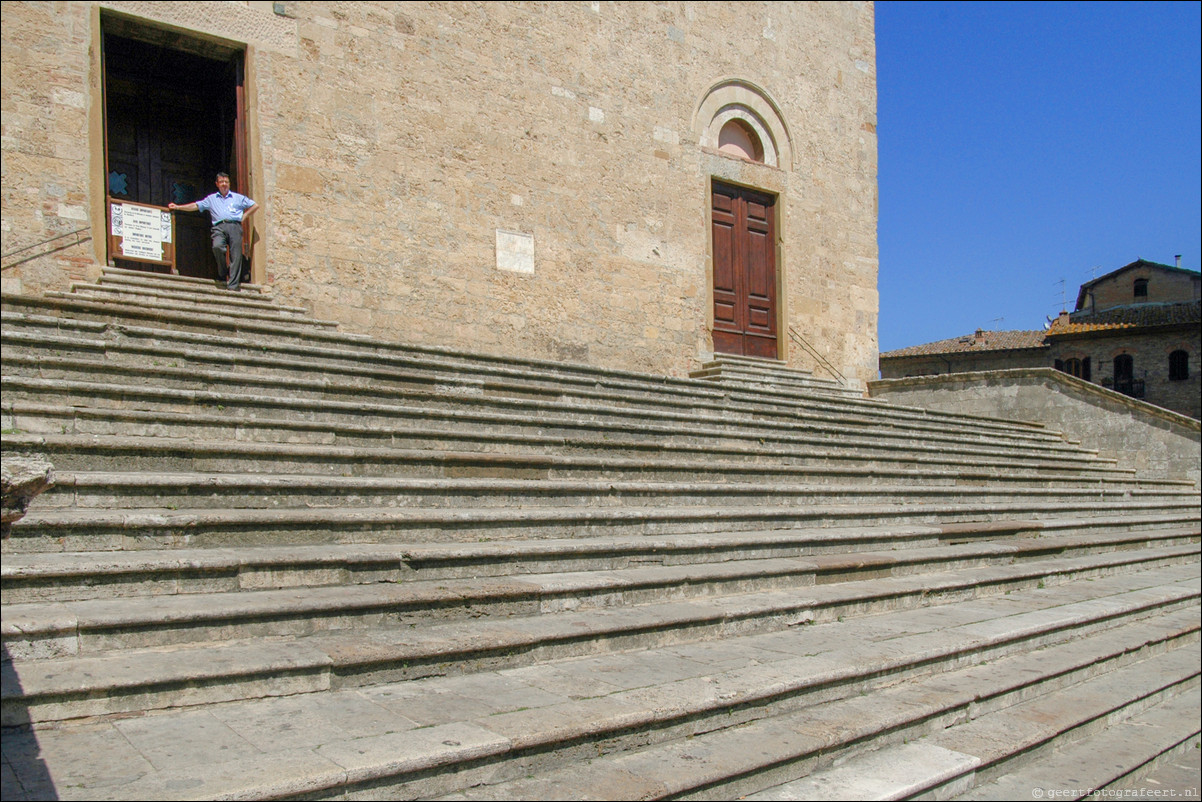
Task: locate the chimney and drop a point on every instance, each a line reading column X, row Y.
column 1178, row 261
column 980, row 336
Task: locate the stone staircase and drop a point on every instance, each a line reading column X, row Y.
column 768, row 376
column 282, row 560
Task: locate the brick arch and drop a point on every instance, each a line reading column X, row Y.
column 738, row 99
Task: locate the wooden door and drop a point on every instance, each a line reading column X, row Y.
column 169, row 119
column 157, row 155
column 744, row 235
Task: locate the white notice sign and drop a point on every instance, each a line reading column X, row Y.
column 143, row 231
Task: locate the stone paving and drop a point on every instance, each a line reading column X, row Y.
column 304, row 563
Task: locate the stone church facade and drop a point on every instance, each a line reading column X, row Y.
column 626, row 185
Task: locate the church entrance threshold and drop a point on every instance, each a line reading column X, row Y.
column 174, row 117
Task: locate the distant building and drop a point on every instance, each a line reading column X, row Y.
column 1134, row 330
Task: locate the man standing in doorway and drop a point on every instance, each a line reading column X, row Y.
column 228, row 211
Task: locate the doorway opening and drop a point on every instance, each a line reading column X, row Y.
column 174, row 117
column 744, row 246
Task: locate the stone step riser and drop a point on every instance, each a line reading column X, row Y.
column 934, row 722
column 553, row 376
column 770, row 381
column 190, row 284
column 226, row 386
column 909, row 473
column 766, row 770
column 257, row 491
column 942, row 423
column 905, row 552
column 84, row 453
column 168, row 530
column 361, row 671
column 60, row 400
column 123, row 292
column 359, row 608
column 771, row 388
column 250, row 294
column 230, row 417
column 184, row 320
column 174, row 303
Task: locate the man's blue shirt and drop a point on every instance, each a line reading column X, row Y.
column 229, row 207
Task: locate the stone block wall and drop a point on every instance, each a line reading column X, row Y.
column 529, row 178
column 1149, row 352
column 1154, row 441
column 930, row 365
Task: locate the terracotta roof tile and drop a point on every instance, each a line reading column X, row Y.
column 976, row 343
column 1128, row 317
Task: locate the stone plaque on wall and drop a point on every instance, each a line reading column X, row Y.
column 515, row 251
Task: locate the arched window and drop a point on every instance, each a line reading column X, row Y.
column 1178, row 366
column 759, row 132
column 738, row 139
column 1141, row 288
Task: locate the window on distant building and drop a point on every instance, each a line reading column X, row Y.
column 1075, row 367
column 1124, row 368
column 1141, row 288
column 1124, row 377
column 1178, row 366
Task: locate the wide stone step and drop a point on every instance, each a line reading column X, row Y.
column 85, row 627
column 762, row 707
column 836, row 555
column 170, row 303
column 1118, row 756
column 168, row 347
column 117, row 410
column 187, row 317
column 69, row 452
column 517, row 436
column 217, row 391
column 222, row 669
column 105, row 530
column 138, row 490
column 769, row 376
column 128, row 291
column 190, row 284
column 306, row 379
column 364, row 351
column 973, row 716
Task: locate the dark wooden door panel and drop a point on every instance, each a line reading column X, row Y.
column 744, row 257
column 169, row 116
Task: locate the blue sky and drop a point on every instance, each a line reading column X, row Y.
column 1022, row 144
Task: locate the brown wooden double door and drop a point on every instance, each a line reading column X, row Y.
column 744, row 233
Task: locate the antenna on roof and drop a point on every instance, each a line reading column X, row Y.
column 996, row 321
column 1063, row 301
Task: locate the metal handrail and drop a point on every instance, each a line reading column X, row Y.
column 797, row 338
column 74, row 233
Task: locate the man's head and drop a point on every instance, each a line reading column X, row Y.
column 223, row 183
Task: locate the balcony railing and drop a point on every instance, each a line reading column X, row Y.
column 1128, row 387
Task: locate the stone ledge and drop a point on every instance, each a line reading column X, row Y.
column 1150, row 439
column 1049, row 376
